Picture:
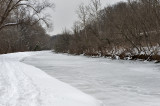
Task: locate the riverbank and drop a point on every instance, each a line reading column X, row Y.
column 22, row 84
column 115, row 82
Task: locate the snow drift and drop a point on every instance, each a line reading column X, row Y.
column 25, row 85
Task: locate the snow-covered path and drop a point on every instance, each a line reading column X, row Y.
column 25, row 85
column 116, row 83
column 15, row 87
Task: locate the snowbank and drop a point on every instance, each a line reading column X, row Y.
column 25, row 85
column 19, row 55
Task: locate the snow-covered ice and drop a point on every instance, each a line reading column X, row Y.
column 115, row 82
column 25, row 85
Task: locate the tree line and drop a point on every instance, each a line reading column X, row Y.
column 21, row 25
column 126, row 29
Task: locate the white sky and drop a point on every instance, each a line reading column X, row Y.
column 64, row 14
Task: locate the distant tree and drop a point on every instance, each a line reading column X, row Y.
column 83, row 15
column 125, row 29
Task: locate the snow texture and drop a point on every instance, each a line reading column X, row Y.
column 25, row 85
column 115, row 82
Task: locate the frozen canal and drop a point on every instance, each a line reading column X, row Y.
column 116, row 83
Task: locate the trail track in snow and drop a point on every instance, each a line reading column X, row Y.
column 26, row 85
column 16, row 89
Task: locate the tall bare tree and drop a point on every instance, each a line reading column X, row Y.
column 17, row 9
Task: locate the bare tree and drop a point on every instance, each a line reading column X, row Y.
column 16, row 10
column 28, row 17
column 94, row 8
column 83, row 14
column 125, row 29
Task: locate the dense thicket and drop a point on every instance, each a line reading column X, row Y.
column 21, row 25
column 126, row 29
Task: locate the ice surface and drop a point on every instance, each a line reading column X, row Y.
column 25, row 85
column 115, row 82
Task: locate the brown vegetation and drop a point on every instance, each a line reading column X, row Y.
column 126, row 29
column 21, row 25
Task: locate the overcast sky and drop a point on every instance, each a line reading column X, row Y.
column 64, row 14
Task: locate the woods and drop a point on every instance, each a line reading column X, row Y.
column 126, row 29
column 21, row 25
